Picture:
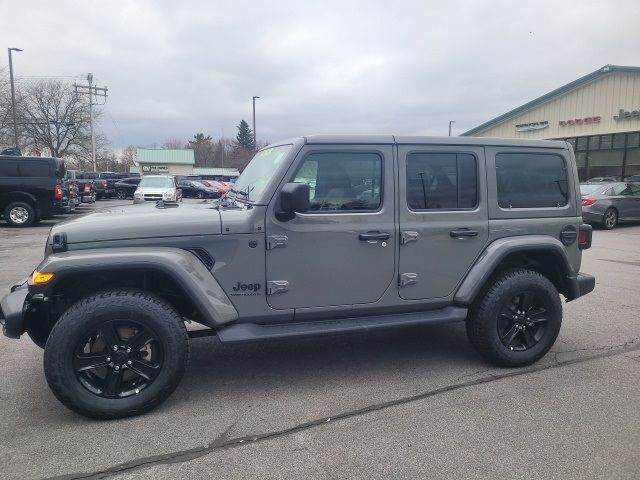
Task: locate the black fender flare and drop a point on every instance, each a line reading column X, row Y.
column 499, row 249
column 182, row 266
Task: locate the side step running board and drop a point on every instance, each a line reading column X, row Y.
column 242, row 332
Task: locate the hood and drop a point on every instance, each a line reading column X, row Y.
column 141, row 221
column 157, row 191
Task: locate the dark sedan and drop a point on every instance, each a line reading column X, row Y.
column 193, row 189
column 126, row 187
column 607, row 204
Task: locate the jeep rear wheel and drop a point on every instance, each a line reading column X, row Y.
column 517, row 319
column 116, row 353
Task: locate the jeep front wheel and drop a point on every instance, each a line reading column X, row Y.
column 116, row 353
column 517, row 319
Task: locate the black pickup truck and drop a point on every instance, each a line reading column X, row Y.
column 31, row 189
column 104, row 182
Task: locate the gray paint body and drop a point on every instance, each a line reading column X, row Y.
column 627, row 206
column 331, row 274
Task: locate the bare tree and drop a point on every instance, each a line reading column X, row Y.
column 54, row 117
column 203, row 150
column 173, row 144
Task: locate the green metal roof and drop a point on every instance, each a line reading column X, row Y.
column 134, row 169
column 223, row 172
column 165, row 156
column 606, row 70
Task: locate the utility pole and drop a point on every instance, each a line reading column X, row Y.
column 450, row 122
column 92, row 91
column 13, row 95
column 254, row 122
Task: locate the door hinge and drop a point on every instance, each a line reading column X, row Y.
column 407, row 279
column 277, row 286
column 408, row 236
column 275, row 241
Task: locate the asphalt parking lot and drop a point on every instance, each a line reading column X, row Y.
column 411, row 404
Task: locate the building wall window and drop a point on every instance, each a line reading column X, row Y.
column 607, row 155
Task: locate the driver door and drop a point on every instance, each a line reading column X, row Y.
column 341, row 252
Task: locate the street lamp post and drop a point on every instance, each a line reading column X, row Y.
column 254, row 121
column 450, row 122
column 13, row 95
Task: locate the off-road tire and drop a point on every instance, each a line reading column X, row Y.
column 482, row 322
column 24, row 207
column 93, row 311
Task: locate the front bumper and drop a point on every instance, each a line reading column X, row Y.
column 580, row 285
column 12, row 311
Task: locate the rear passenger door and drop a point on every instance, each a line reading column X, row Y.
column 443, row 217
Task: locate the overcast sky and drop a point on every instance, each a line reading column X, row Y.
column 174, row 68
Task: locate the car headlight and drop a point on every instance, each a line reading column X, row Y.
column 137, row 194
column 167, row 195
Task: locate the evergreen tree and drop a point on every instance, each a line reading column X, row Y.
column 244, row 138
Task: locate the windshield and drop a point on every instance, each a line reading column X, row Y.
column 587, row 189
column 156, row 182
column 260, row 171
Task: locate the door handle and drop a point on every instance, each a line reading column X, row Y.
column 365, row 237
column 463, row 232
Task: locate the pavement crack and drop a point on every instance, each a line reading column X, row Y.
column 223, row 442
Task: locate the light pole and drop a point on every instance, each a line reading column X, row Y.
column 254, row 121
column 450, row 122
column 13, row 95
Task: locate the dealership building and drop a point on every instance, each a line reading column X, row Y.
column 158, row 161
column 599, row 114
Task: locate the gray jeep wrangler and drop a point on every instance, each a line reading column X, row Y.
column 320, row 235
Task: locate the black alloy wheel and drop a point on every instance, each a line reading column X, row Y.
column 122, row 195
column 610, row 219
column 522, row 321
column 118, row 359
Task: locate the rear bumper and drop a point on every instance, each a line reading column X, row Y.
column 12, row 309
column 592, row 217
column 580, row 285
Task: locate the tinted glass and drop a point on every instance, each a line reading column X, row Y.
column 605, row 142
column 594, row 142
column 441, row 181
column 157, row 182
column 8, row 168
column 619, row 189
column 587, row 189
column 618, row 140
column 581, row 143
column 342, row 181
column 34, row 168
column 531, row 180
column 633, row 140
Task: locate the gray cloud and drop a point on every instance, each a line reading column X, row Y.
column 407, row 67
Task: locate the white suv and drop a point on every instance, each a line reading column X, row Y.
column 157, row 187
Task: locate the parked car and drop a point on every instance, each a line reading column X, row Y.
column 31, row 189
column 608, row 204
column 126, row 187
column 195, row 189
column 157, row 187
column 632, row 178
column 86, row 187
column 415, row 247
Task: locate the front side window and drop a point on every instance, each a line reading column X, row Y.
column 531, row 180
column 441, row 181
column 349, row 181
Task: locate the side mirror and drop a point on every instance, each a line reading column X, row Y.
column 294, row 197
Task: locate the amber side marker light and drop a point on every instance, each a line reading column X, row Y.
column 40, row 278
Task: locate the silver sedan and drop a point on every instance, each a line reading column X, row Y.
column 607, row 204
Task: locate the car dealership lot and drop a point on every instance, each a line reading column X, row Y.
column 414, row 403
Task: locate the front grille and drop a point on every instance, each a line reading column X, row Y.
column 152, row 197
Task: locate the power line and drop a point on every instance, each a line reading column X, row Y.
column 97, row 92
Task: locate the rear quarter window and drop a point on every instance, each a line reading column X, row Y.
column 531, row 180
column 34, row 168
column 8, row 168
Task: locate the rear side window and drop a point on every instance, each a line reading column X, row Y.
column 33, row 168
column 442, row 181
column 531, row 180
column 8, row 168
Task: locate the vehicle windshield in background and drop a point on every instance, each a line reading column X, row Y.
column 587, row 189
column 260, row 170
column 156, row 182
